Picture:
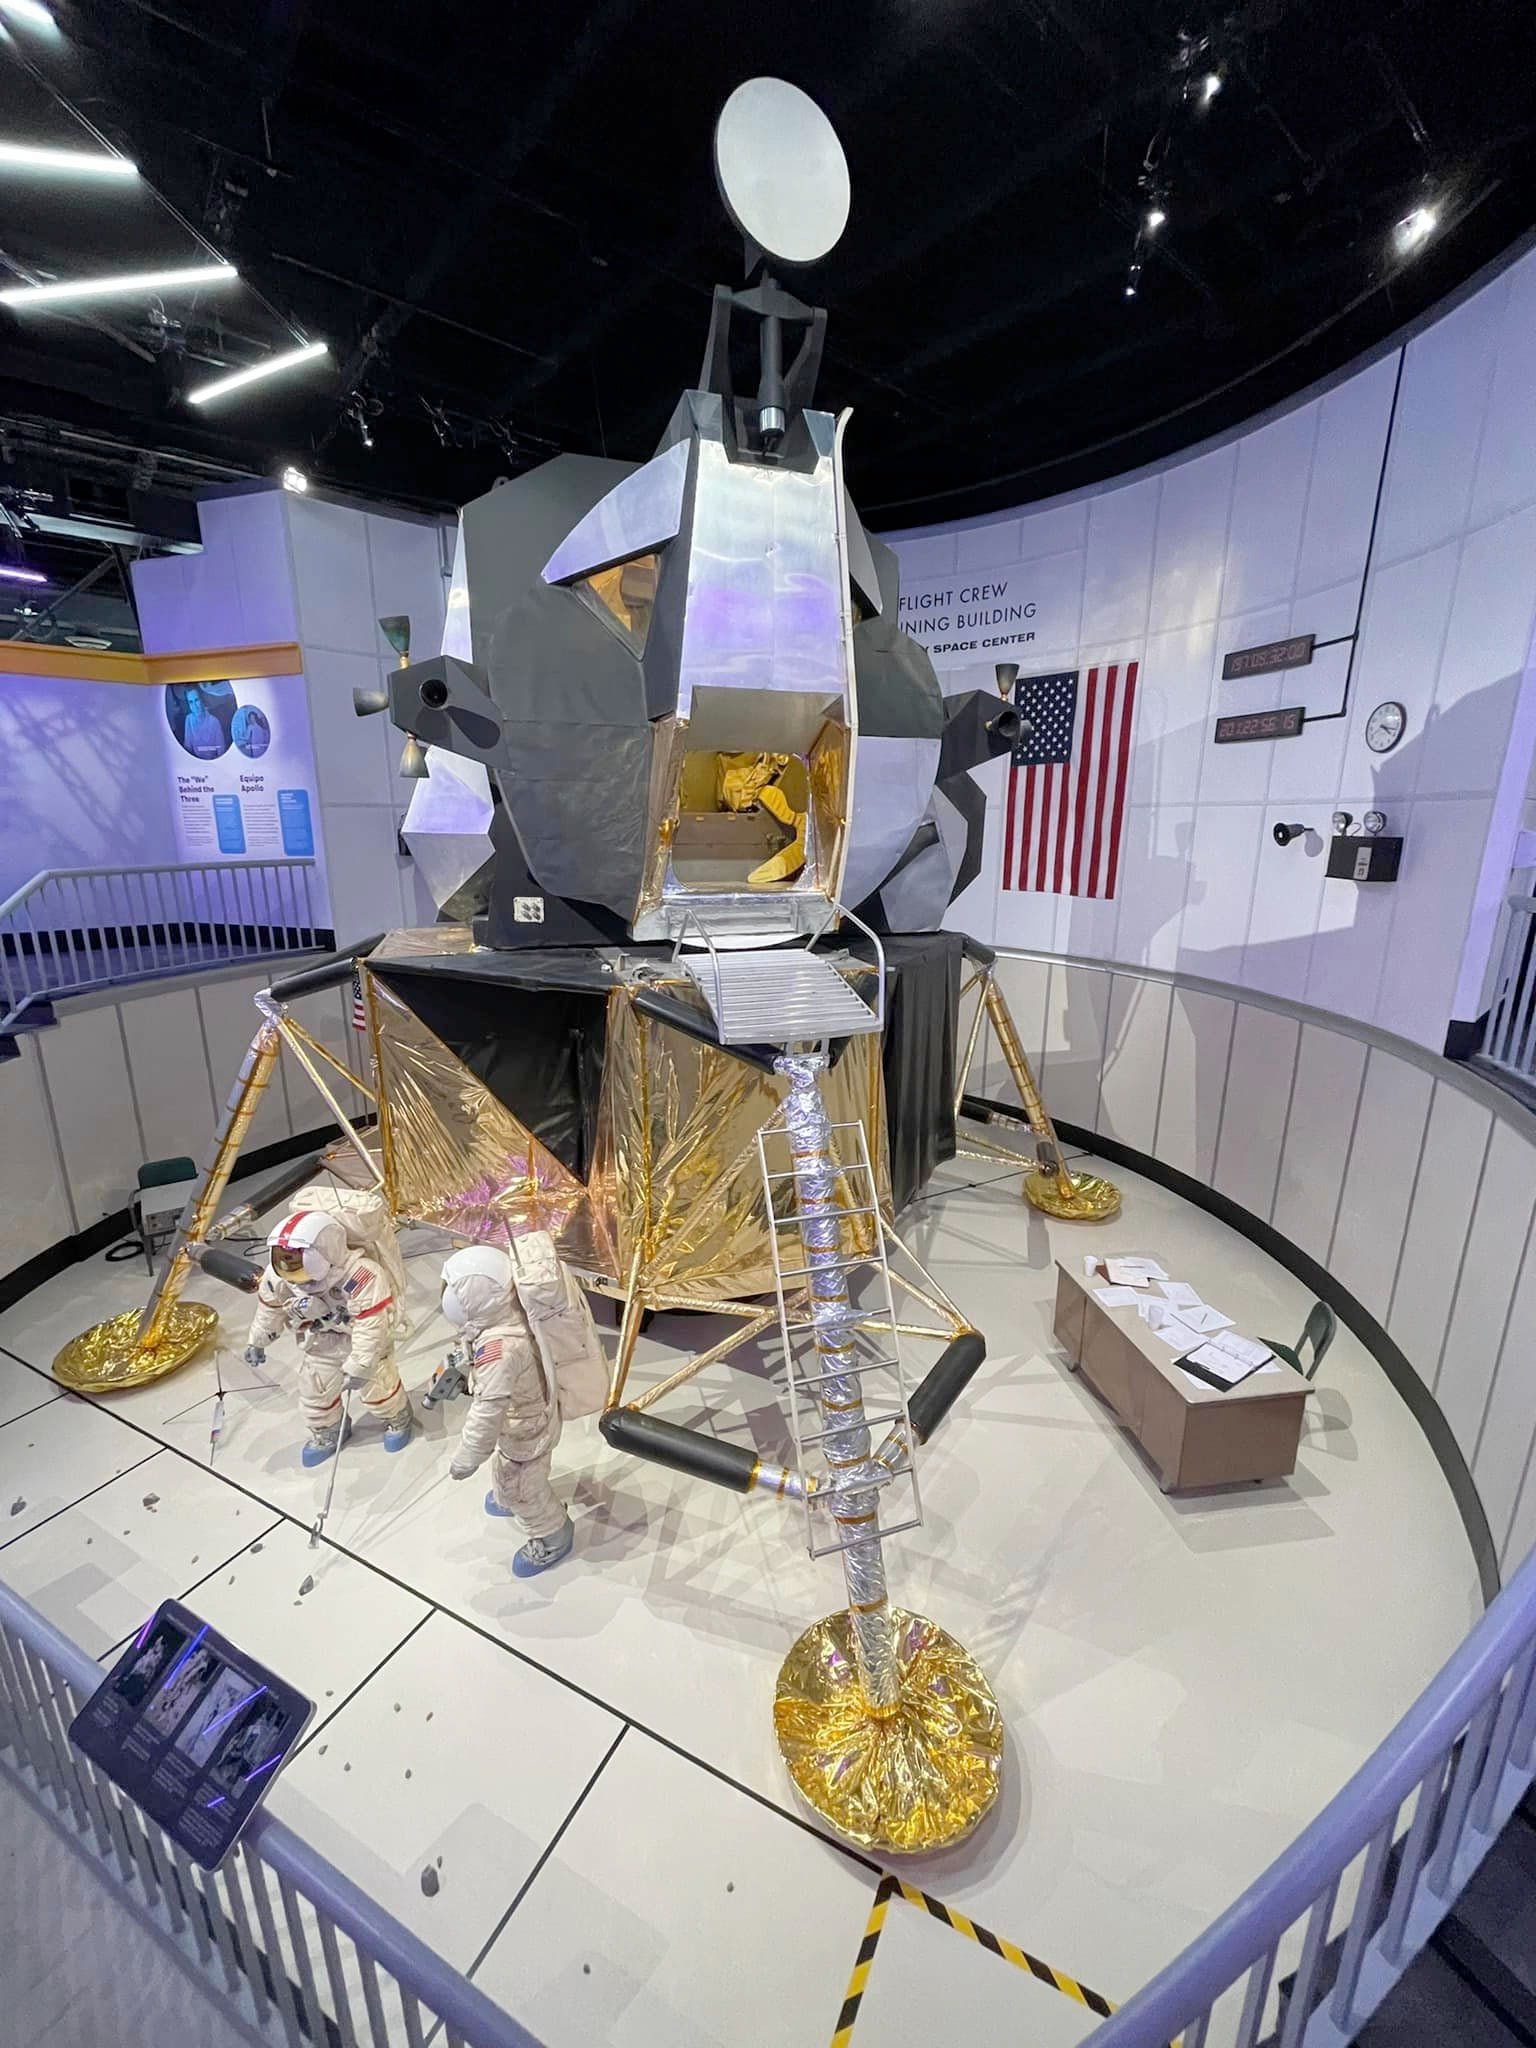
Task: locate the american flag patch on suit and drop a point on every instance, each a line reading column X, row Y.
column 1067, row 781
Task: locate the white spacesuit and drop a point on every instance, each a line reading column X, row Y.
column 341, row 1305
column 515, row 1410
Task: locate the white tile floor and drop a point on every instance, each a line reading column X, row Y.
column 1185, row 1681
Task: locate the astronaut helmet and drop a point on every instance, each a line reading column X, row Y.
column 308, row 1246
column 477, row 1287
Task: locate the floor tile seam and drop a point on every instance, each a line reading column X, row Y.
column 260, row 1536
column 325, row 1718
column 88, row 1494
column 47, row 1402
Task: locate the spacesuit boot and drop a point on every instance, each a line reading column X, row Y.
column 540, row 1552
column 324, row 1444
column 399, row 1431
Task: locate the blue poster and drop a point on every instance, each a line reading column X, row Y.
column 297, row 827
column 229, row 824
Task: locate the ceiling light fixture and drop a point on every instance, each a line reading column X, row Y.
column 22, row 575
column 1210, row 85
column 29, row 14
column 24, row 297
column 66, row 163
column 1155, row 219
column 1414, row 229
column 274, row 366
column 295, row 480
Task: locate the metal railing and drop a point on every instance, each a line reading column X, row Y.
column 1310, row 1950
column 1511, row 1037
column 69, row 930
column 278, row 1937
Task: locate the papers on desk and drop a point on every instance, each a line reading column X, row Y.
column 1201, row 1334
column 1180, row 1293
column 1130, row 1271
column 1117, row 1297
column 1229, row 1358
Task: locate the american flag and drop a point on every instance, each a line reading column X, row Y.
column 359, row 1009
column 1067, row 782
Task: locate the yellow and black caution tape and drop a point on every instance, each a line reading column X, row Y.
column 984, row 1938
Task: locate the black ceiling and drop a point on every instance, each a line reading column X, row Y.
column 506, row 217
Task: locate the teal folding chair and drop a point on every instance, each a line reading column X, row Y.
column 1316, row 1336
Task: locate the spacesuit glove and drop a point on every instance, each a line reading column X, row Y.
column 463, row 1466
column 255, row 1354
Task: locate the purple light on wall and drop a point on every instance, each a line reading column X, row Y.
column 22, row 575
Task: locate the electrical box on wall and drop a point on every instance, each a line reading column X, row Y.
column 1353, row 859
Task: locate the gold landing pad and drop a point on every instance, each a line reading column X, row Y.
column 1087, row 1199
column 916, row 1779
column 108, row 1357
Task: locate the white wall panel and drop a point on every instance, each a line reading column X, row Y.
column 1442, row 854
column 1274, row 466
column 354, row 757
column 251, row 533
column 1054, row 584
column 1134, row 1043
column 1438, row 430
column 1306, row 770
column 1076, row 1018
column 1050, row 529
column 1509, row 1428
column 1407, row 612
column 170, row 1073
column 35, row 1210
column 1156, row 848
column 1522, row 1531
column 329, row 547
column 1192, row 541
column 1121, row 527
column 1240, row 774
column 1025, row 984
column 1506, row 463
column 1172, row 727
column 1220, row 893
column 1354, row 927
column 931, row 554
column 1501, row 1222
column 1486, row 650
column 1346, row 462
column 1330, row 1069
column 229, row 1023
column 1194, row 1081
column 1287, row 891
column 1449, row 1171
column 87, row 1069
column 1259, row 1075
column 1383, row 1159
column 406, row 565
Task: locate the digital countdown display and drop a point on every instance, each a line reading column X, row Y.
column 1263, row 661
column 1261, row 725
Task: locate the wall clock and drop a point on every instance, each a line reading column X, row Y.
column 1384, row 727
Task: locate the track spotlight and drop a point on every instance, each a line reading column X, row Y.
column 13, row 575
column 29, row 14
column 413, row 759
column 66, row 163
column 1210, row 85
column 256, row 373
column 26, row 296
column 1414, row 229
column 295, row 480
column 1155, row 219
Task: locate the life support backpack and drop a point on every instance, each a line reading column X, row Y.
column 364, row 1215
column 561, row 1322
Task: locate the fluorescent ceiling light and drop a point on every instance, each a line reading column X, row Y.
column 274, row 366
column 67, row 163
column 1414, row 228
column 29, row 13
column 25, row 296
column 22, row 575
column 295, row 479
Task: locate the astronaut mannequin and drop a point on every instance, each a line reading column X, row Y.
column 515, row 1410
column 340, row 1304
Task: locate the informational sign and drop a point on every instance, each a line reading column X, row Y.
column 241, row 767
column 972, row 618
column 1264, row 661
column 192, row 1729
column 1260, row 725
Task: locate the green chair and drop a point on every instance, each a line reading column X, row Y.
column 1317, row 1333
column 158, row 1200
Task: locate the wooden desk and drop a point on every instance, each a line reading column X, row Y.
column 1194, row 1435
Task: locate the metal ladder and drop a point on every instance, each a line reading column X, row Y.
column 877, row 1364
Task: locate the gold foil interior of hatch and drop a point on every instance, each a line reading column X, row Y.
column 456, row 1156
column 424, row 941
column 676, row 1166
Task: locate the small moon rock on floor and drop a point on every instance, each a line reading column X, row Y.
column 17, row 1506
column 307, row 1587
column 150, row 1501
column 431, row 1883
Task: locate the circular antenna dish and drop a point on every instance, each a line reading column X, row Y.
column 781, row 170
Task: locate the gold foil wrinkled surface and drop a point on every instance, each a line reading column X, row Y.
column 916, row 1779
column 108, row 1358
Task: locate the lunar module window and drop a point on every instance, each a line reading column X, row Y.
column 622, row 598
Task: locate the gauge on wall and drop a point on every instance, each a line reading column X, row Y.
column 1384, row 727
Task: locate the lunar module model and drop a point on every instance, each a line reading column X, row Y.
column 693, row 807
